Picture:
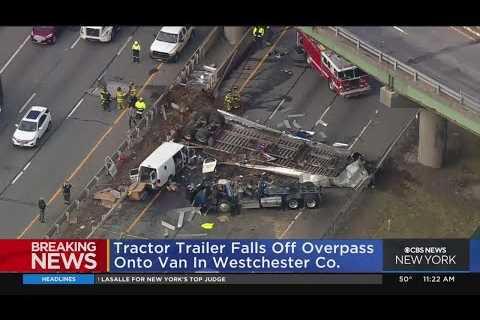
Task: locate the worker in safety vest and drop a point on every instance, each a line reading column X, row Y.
column 121, row 98
column 232, row 99
column 105, row 98
column 132, row 95
column 140, row 107
column 260, row 34
column 136, row 51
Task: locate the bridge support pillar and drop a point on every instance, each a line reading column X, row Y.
column 432, row 139
column 234, row 34
column 393, row 100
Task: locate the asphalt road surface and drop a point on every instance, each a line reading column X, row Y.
column 58, row 77
column 444, row 53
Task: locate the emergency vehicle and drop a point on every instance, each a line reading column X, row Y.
column 343, row 77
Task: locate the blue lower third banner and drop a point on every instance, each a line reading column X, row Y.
column 58, row 279
column 475, row 256
column 363, row 256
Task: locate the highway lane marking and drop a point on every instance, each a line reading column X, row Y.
column 17, row 177
column 75, row 108
column 262, row 61
column 75, row 43
column 21, row 172
column 82, row 163
column 276, row 109
column 291, row 224
column 463, row 33
column 361, row 133
column 27, row 165
column 28, row 101
column 124, row 45
column 142, row 213
column 320, row 120
column 14, row 54
column 401, row 30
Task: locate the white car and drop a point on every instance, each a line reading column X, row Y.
column 33, row 126
column 169, row 42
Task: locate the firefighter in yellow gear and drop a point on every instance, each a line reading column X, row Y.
column 121, row 98
column 259, row 32
column 232, row 99
column 105, row 98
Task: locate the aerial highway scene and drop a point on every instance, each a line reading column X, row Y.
column 248, row 132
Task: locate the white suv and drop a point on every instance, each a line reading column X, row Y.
column 169, row 42
column 33, row 126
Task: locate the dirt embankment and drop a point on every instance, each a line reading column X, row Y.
column 413, row 201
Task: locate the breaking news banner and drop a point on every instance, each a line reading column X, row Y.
column 53, row 256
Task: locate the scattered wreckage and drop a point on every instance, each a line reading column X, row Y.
column 247, row 144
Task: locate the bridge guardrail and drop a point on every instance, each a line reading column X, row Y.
column 472, row 103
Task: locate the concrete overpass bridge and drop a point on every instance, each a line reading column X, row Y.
column 444, row 82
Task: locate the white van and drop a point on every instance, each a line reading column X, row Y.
column 98, row 33
column 163, row 164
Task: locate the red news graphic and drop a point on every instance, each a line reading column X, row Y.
column 53, row 256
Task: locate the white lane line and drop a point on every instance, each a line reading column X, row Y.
column 101, row 76
column 276, row 109
column 75, row 43
column 75, row 108
column 291, row 224
column 26, row 103
column 401, row 30
column 361, row 133
column 124, row 45
column 28, row 165
column 320, row 120
column 14, row 54
column 16, row 178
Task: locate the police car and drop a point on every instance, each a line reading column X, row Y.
column 32, row 127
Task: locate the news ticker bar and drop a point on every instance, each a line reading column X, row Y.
column 197, row 279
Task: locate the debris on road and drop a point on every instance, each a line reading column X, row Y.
column 136, row 191
column 107, row 197
column 353, row 175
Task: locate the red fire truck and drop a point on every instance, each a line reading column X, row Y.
column 344, row 78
